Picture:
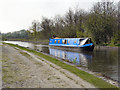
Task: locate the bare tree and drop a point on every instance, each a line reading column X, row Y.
column 35, row 28
column 46, row 26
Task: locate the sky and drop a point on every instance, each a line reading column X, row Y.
column 16, row 15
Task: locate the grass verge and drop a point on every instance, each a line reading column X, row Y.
column 99, row 83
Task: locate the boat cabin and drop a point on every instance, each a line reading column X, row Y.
column 69, row 41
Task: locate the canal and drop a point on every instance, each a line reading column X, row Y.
column 102, row 60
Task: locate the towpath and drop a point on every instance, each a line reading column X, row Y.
column 21, row 69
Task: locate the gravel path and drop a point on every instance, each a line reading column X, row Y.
column 21, row 69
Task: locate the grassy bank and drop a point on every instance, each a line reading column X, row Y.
column 82, row 74
column 111, row 45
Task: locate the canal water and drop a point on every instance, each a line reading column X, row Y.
column 102, row 60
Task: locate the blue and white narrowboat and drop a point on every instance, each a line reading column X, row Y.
column 78, row 43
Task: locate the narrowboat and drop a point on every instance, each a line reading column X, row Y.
column 76, row 43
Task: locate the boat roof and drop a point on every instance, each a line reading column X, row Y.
column 68, row 38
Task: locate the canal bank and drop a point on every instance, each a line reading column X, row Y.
column 88, row 77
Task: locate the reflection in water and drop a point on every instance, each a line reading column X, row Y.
column 74, row 57
column 24, row 44
column 103, row 60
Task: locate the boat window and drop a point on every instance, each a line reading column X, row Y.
column 65, row 42
column 69, row 41
column 58, row 41
column 55, row 41
column 75, row 41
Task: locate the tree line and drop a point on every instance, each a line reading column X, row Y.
column 22, row 34
column 101, row 23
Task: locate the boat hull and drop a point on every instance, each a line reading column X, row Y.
column 69, row 48
column 88, row 48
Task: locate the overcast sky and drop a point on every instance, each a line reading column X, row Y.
column 18, row 14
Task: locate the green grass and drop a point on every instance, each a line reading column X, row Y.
column 112, row 45
column 25, row 54
column 99, row 83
